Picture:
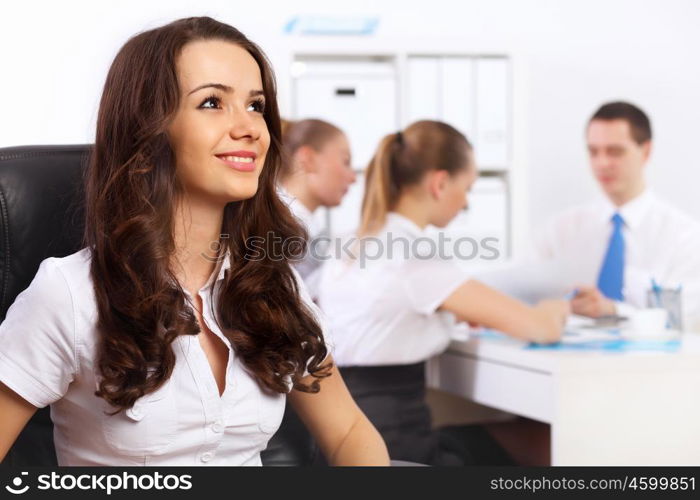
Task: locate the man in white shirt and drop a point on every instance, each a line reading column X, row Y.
column 612, row 251
column 607, row 254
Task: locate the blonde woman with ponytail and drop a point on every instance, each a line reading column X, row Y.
column 393, row 304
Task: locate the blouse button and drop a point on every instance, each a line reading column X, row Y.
column 206, row 457
column 216, row 427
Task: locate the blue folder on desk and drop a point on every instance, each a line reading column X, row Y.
column 619, row 345
column 608, row 340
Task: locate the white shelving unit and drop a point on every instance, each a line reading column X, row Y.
column 370, row 94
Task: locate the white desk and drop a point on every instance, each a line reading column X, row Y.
column 605, row 408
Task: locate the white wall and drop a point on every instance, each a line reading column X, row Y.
column 571, row 57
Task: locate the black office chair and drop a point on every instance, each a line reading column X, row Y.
column 41, row 216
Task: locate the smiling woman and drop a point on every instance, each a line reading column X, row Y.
column 219, row 134
column 159, row 343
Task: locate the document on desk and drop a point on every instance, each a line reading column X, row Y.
column 606, row 339
column 582, row 334
column 586, row 331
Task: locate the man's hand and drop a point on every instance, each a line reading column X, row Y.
column 590, row 302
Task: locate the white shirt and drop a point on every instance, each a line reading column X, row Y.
column 300, row 211
column 49, row 340
column 309, row 266
column 383, row 311
column 661, row 243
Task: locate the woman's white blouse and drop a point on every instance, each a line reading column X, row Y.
column 48, row 357
column 382, row 306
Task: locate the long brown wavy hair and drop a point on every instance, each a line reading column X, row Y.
column 131, row 189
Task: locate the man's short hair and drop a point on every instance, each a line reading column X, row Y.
column 639, row 123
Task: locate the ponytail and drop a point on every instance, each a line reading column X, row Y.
column 380, row 192
column 402, row 159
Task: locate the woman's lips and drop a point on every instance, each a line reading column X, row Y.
column 240, row 163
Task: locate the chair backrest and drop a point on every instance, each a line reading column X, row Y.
column 40, row 211
column 41, row 216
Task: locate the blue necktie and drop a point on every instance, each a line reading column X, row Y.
column 611, row 273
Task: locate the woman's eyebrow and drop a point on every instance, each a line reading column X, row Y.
column 220, row 86
column 224, row 88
